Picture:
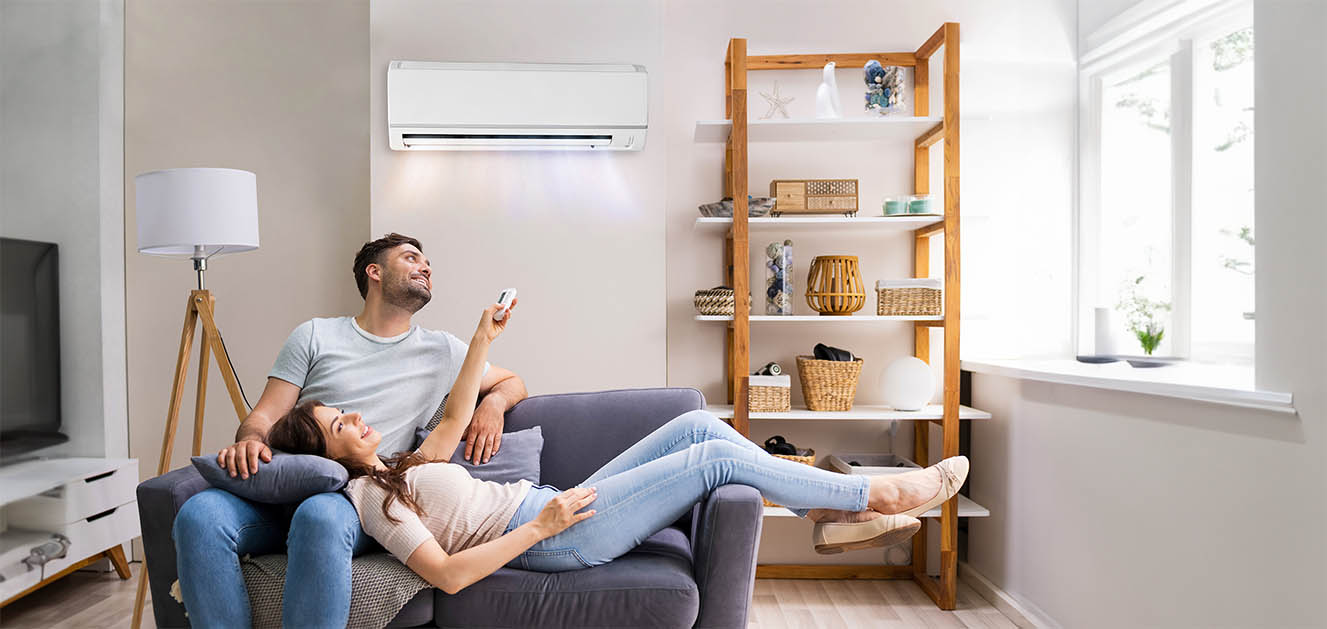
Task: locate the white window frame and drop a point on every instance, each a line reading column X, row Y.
column 1150, row 30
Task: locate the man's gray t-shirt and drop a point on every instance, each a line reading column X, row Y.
column 396, row 383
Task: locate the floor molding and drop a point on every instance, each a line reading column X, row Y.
column 1022, row 613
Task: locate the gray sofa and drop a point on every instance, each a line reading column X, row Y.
column 699, row 572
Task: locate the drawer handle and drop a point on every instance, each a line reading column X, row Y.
column 93, row 518
column 98, row 476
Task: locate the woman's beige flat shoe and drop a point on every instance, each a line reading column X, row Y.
column 831, row 538
column 953, row 472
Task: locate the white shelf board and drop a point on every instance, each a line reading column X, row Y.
column 966, row 509
column 837, row 225
column 860, row 412
column 817, row 318
column 896, row 128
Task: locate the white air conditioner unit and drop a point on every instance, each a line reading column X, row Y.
column 433, row 106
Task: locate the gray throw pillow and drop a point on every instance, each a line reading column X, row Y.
column 517, row 458
column 286, row 479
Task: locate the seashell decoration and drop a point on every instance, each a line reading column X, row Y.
column 778, row 278
column 884, row 87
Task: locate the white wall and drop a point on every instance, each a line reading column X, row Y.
column 581, row 235
column 1112, row 509
column 1094, row 14
column 61, row 141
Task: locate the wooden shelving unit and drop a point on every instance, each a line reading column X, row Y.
column 923, row 130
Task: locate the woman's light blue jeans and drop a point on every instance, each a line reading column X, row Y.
column 214, row 528
column 656, row 481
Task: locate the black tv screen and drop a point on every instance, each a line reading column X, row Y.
column 30, row 346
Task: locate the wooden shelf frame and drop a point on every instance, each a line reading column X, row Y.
column 736, row 273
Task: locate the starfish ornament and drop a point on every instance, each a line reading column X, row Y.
column 777, row 104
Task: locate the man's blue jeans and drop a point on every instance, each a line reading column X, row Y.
column 214, row 528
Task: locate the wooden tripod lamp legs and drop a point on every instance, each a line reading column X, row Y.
column 200, row 307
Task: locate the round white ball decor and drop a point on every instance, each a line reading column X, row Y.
column 908, row 384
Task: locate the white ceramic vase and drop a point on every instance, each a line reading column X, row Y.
column 827, row 95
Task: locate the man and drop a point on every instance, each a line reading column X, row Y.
column 378, row 363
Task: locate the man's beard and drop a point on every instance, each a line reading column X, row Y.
column 405, row 294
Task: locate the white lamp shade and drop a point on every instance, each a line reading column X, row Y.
column 183, row 208
column 908, row 384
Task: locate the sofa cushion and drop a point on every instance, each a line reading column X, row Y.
column 286, row 479
column 651, row 586
column 517, row 458
column 417, row 612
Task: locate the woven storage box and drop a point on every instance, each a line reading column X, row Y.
column 716, row 301
column 909, row 298
column 809, row 459
column 828, row 385
column 769, row 394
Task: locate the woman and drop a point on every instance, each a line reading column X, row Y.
column 454, row 530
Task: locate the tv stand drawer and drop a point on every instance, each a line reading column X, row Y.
column 76, row 499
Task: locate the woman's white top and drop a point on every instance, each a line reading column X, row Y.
column 460, row 511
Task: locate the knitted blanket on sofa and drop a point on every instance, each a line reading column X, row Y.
column 380, row 586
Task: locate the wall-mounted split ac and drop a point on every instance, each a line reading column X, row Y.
column 516, row 106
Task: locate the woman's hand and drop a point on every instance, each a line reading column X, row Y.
column 489, row 329
column 560, row 512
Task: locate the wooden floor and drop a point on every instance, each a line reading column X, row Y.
column 799, row 604
column 83, row 599
column 88, row 599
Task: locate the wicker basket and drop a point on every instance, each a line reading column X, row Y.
column 718, row 301
column 809, row 459
column 828, row 385
column 769, row 394
column 909, row 298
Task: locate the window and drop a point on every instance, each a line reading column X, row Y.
column 1165, row 223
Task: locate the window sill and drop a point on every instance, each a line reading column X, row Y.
column 1232, row 386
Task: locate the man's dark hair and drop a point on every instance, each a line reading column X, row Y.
column 371, row 253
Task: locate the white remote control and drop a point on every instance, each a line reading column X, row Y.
column 505, row 298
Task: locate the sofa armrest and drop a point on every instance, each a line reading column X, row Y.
column 725, row 535
column 159, row 499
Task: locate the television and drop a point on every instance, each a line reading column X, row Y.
column 30, row 346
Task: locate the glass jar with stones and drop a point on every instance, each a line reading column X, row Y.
column 778, row 278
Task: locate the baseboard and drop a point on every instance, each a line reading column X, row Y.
column 1022, row 613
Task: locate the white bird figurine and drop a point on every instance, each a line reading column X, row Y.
column 827, row 95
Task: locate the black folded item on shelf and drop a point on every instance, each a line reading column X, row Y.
column 778, row 445
column 826, row 352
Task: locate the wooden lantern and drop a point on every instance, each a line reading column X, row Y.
column 834, row 286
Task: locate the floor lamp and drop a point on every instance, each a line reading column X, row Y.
column 196, row 213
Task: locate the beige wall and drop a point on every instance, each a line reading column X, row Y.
column 602, row 247
column 277, row 88
column 580, row 235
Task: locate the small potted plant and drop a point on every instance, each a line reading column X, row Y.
column 1143, row 315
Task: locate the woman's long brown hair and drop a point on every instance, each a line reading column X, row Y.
column 299, row 432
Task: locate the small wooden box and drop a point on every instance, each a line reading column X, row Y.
column 814, row 196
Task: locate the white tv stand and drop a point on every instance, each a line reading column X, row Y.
column 58, row 515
